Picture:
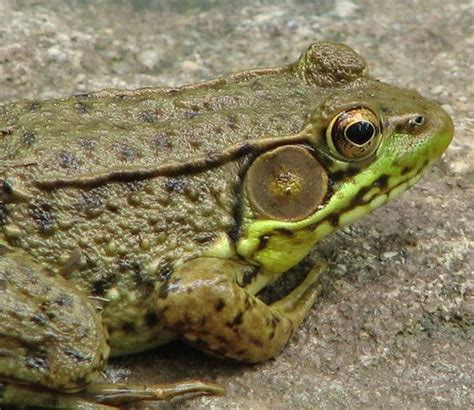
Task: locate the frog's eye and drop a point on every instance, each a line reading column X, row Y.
column 355, row 133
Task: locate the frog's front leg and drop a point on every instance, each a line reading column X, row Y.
column 204, row 304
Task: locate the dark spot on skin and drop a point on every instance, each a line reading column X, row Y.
column 67, row 160
column 381, row 182
column 133, row 268
column 92, row 202
column 81, row 108
column 112, row 207
column 29, row 138
column 3, row 214
column 128, row 327
column 7, row 187
column 249, row 274
column 256, row 342
column 175, row 185
column 237, row 320
column 125, row 154
column 39, row 319
column 36, row 359
column 162, row 141
column 135, row 186
column 74, row 354
column 164, row 288
column 3, row 251
column 64, row 300
column 100, row 286
column 3, row 285
column 333, row 219
column 405, row 170
column 3, row 388
column 148, row 116
column 341, row 175
column 263, row 240
column 151, row 320
column 42, row 214
column 358, row 198
column 272, row 334
column 204, row 237
column 34, row 106
column 165, row 271
column 220, row 304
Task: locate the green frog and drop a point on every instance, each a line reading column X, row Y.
column 132, row 218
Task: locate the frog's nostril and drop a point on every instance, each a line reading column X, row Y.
column 417, row 120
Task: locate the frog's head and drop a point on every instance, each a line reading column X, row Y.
column 366, row 143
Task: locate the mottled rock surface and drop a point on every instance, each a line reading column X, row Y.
column 394, row 325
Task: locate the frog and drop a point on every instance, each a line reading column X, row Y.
column 131, row 218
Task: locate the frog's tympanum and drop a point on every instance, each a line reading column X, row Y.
column 131, row 218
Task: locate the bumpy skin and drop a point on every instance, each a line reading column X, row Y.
column 133, row 204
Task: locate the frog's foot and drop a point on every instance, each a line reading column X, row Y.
column 115, row 394
column 297, row 304
column 202, row 302
column 102, row 396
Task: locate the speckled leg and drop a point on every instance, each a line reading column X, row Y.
column 50, row 334
column 53, row 344
column 202, row 302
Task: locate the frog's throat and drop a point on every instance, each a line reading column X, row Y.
column 172, row 168
column 279, row 245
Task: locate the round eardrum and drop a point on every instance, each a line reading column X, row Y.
column 287, row 183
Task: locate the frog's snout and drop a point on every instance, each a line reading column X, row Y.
column 440, row 128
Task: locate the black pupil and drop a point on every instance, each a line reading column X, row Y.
column 360, row 132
